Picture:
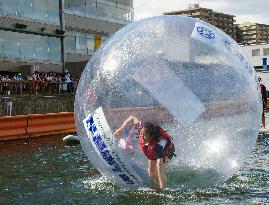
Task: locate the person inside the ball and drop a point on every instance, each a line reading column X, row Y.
column 156, row 145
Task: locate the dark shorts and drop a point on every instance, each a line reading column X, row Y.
column 159, row 151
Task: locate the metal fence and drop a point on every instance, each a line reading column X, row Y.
column 35, row 87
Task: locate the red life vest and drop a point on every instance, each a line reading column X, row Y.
column 263, row 91
column 149, row 149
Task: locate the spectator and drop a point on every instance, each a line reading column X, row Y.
column 49, row 77
column 18, row 77
column 40, row 82
column 5, row 78
column 264, row 101
column 35, row 75
column 29, row 77
column 68, row 81
column 58, row 78
column 6, row 89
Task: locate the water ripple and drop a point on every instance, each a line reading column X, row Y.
column 48, row 172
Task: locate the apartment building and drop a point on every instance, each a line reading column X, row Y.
column 253, row 33
column 225, row 22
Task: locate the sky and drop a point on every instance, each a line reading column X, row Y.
column 255, row 11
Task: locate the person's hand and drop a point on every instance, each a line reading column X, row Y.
column 118, row 132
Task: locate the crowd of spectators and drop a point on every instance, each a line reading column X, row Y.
column 38, row 81
column 48, row 77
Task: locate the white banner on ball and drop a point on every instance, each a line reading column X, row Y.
column 222, row 42
column 101, row 138
column 169, row 90
column 210, row 36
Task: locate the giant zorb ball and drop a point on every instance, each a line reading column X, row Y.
column 187, row 76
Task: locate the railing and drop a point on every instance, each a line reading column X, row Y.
column 34, row 87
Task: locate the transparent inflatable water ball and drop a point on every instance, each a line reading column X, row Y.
column 183, row 74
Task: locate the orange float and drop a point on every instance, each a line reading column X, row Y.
column 24, row 126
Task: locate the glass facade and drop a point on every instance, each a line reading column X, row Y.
column 41, row 10
column 30, row 47
column 39, row 48
column 100, row 10
column 80, row 43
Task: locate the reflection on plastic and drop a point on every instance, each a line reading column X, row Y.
column 169, row 90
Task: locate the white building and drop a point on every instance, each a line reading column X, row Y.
column 257, row 54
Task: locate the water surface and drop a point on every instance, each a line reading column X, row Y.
column 46, row 171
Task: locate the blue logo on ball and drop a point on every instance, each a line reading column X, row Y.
column 206, row 33
column 226, row 43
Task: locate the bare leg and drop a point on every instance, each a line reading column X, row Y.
column 263, row 120
column 156, row 169
column 152, row 170
column 160, row 173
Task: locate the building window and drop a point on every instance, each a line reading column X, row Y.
column 266, row 51
column 90, row 44
column 30, row 47
column 41, row 10
column 70, row 43
column 256, row 52
column 100, row 10
column 82, row 43
column 79, row 7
